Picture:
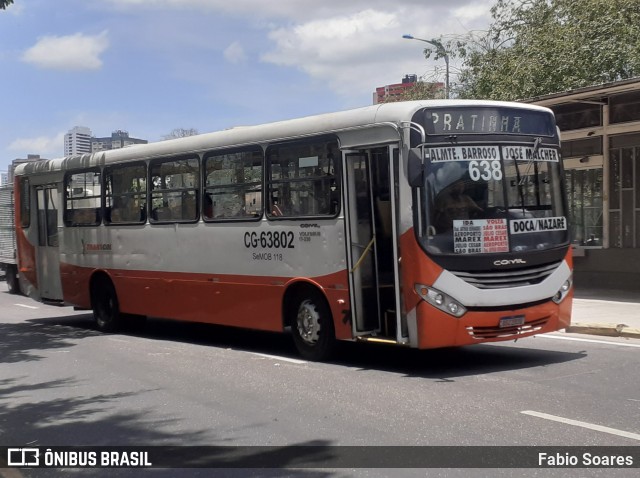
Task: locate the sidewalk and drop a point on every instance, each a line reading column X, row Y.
column 613, row 313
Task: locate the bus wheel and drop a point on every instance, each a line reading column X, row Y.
column 12, row 280
column 312, row 328
column 106, row 310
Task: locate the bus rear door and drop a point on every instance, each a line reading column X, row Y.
column 47, row 250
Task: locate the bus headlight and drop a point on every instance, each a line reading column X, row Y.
column 563, row 291
column 440, row 300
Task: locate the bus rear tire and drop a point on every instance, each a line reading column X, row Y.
column 312, row 328
column 106, row 310
column 12, row 280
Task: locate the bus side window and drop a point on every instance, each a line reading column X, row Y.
column 303, row 177
column 208, row 207
column 83, row 198
column 276, row 208
column 233, row 184
column 174, row 185
column 161, row 214
column 189, row 209
column 126, row 193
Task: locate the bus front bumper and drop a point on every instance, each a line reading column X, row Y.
column 436, row 328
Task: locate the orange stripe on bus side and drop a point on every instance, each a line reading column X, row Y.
column 244, row 301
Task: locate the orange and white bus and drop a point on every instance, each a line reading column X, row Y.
column 424, row 224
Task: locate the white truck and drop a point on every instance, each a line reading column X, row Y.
column 8, row 262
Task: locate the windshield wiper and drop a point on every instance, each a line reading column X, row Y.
column 536, row 146
column 523, row 178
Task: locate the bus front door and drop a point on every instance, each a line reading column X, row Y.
column 369, row 215
column 47, row 252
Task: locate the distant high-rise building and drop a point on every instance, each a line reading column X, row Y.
column 118, row 139
column 17, row 161
column 77, row 141
column 384, row 93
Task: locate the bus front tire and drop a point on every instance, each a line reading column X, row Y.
column 106, row 310
column 312, row 328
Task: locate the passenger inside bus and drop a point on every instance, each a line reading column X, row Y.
column 125, row 210
column 208, row 206
column 275, row 208
column 453, row 203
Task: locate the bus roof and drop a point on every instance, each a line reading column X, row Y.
column 262, row 133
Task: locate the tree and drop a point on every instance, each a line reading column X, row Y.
column 180, row 133
column 538, row 47
column 421, row 90
column 5, row 3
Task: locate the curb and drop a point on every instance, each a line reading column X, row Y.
column 608, row 330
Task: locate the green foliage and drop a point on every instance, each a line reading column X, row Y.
column 538, row 47
column 421, row 90
column 5, row 3
column 180, row 133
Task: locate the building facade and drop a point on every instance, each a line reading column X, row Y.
column 6, row 177
column 118, row 139
column 77, row 141
column 600, row 128
column 393, row 92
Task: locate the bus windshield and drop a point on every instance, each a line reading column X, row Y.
column 499, row 196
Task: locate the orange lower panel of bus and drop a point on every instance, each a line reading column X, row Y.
column 242, row 301
column 438, row 329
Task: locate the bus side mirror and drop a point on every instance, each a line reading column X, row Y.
column 415, row 168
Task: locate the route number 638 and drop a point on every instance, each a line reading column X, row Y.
column 485, row 170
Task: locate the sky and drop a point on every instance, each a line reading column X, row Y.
column 151, row 66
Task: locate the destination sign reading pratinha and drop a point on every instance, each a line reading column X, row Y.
column 492, row 120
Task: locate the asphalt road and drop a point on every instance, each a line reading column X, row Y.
column 64, row 383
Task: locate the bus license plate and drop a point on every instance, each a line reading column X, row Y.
column 511, row 321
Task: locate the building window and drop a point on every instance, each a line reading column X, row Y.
column 624, row 108
column 582, row 147
column 624, row 197
column 577, row 116
column 584, row 191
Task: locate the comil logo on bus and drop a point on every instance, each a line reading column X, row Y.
column 508, row 262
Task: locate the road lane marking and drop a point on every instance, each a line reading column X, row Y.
column 603, row 302
column 576, row 339
column 277, row 357
column 26, row 306
column 577, row 423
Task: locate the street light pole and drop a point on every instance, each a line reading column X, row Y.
column 440, row 50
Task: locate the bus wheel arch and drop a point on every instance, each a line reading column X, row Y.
column 104, row 302
column 307, row 311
